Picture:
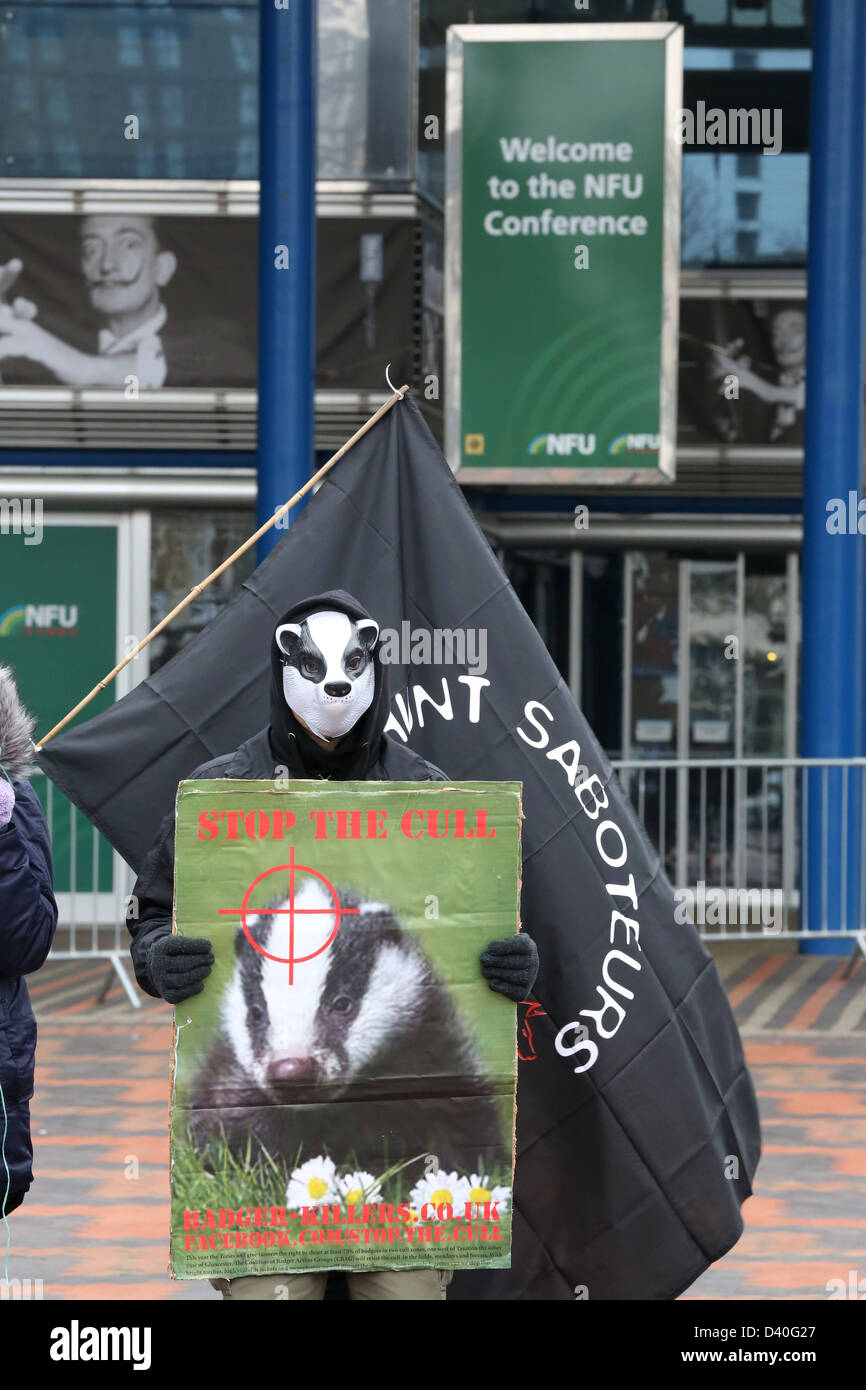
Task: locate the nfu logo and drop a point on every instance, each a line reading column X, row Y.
column 634, row 444
column 562, row 444
column 42, row 619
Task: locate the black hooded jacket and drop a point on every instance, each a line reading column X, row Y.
column 284, row 748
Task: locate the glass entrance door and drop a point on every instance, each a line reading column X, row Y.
column 686, row 659
column 710, row 681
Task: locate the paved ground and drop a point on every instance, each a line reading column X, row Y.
column 96, row 1223
column 804, row 1029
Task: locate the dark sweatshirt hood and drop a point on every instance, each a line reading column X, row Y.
column 359, row 749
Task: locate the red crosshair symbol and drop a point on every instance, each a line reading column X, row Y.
column 291, row 911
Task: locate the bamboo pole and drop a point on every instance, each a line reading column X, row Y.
column 220, row 569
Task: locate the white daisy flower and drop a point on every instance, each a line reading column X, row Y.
column 481, row 1190
column 355, row 1188
column 312, row 1184
column 436, row 1189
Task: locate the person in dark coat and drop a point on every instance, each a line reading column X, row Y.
column 28, row 918
column 287, row 748
column 328, row 711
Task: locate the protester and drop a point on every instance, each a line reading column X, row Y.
column 28, row 918
column 328, row 710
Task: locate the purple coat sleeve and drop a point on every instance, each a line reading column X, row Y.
column 28, row 912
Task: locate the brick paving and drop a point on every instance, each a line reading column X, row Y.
column 806, row 1222
column 95, row 1224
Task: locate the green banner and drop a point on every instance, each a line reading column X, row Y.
column 58, row 634
column 562, row 251
column 344, row 1086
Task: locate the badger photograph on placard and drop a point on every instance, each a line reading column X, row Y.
column 362, row 1013
column 344, row 1074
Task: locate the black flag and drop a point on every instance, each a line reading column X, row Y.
column 638, row 1133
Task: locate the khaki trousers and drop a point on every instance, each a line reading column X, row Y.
column 426, row 1284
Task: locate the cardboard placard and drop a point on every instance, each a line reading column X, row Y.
column 344, row 1086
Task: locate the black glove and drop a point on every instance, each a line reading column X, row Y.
column 177, row 966
column 510, row 966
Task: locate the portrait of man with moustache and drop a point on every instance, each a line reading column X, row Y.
column 136, row 338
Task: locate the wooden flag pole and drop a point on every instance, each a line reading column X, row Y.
column 220, row 569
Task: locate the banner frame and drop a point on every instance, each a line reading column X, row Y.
column 671, row 34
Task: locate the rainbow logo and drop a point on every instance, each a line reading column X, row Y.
column 11, row 620
column 538, row 445
column 634, row 444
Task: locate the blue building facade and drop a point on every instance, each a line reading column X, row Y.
column 675, row 616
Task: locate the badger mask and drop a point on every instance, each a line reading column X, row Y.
column 329, row 675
